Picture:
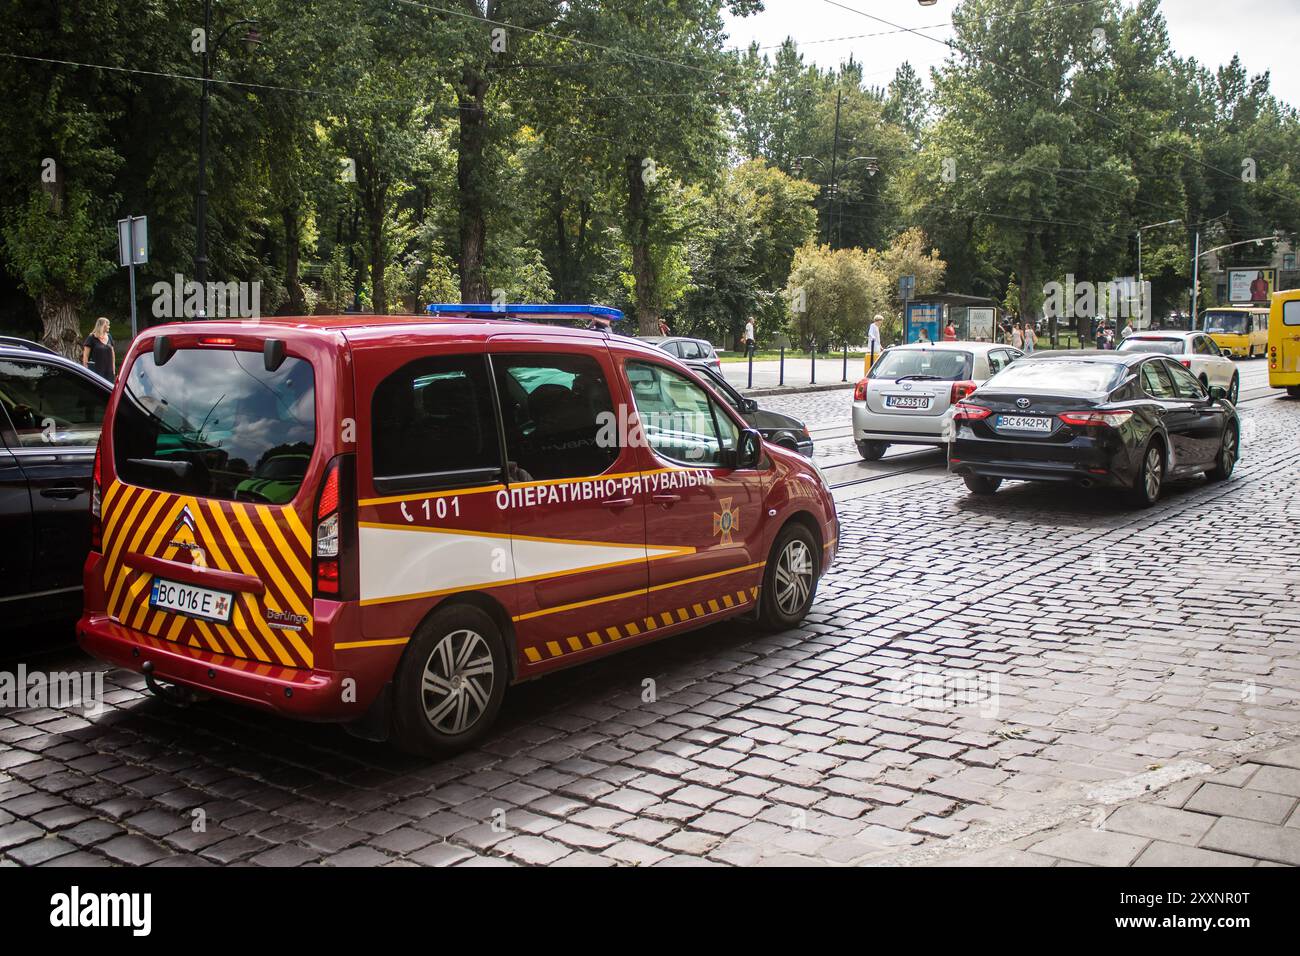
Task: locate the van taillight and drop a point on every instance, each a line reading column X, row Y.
column 860, row 391
column 96, row 519
column 332, row 529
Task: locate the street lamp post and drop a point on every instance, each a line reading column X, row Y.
column 210, row 47
column 1141, row 229
column 1196, row 263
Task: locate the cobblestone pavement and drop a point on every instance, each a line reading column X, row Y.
column 978, row 675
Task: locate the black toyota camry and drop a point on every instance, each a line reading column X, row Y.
column 1125, row 420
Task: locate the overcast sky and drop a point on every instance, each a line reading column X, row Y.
column 1263, row 32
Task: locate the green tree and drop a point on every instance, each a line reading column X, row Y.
column 58, row 253
column 832, row 295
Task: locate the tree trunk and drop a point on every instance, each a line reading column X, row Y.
column 1026, row 297
column 469, row 185
column 297, row 303
column 638, row 232
column 60, row 324
column 378, row 261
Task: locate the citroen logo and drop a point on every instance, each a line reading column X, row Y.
column 184, row 519
column 1022, row 403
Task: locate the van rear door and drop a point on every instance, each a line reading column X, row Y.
column 206, row 523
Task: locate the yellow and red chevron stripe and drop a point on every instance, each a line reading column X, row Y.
column 612, row 634
column 269, row 542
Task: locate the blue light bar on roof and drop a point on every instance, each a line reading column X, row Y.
column 601, row 313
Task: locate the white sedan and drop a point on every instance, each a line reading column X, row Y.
column 1195, row 351
column 907, row 397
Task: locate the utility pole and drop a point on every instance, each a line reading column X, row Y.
column 1196, row 278
column 201, row 201
column 835, row 152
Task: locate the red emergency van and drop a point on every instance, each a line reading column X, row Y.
column 385, row 521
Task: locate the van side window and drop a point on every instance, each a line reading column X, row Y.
column 433, row 417
column 677, row 417
column 558, row 415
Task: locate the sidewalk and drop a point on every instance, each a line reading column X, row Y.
column 1244, row 816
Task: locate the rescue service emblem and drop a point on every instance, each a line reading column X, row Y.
column 727, row 521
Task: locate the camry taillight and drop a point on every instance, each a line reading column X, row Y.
column 332, row 529
column 961, row 389
column 1109, row 419
column 1185, row 363
column 96, row 518
column 962, row 412
column 860, row 391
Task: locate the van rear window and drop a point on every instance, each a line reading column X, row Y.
column 214, row 423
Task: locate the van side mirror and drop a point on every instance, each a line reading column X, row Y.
column 749, row 450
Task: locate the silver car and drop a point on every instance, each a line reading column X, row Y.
column 908, row 396
column 1194, row 351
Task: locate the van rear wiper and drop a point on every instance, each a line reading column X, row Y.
column 181, row 469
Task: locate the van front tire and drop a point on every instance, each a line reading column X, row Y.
column 790, row 579
column 450, row 683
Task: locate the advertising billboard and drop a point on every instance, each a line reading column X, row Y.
column 1251, row 286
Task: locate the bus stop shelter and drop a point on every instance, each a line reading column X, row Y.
column 974, row 317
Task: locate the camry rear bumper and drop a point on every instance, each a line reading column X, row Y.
column 1084, row 461
column 1038, row 471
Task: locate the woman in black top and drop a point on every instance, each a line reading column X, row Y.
column 97, row 351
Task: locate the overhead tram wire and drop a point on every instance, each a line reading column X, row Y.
column 928, row 26
column 1031, row 82
column 559, row 36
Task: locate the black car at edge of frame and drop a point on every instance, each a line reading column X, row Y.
column 51, row 412
column 776, row 427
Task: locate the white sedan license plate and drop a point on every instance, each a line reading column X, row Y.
column 907, row 401
column 1025, row 423
column 190, row 600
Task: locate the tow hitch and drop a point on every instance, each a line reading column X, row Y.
column 172, row 694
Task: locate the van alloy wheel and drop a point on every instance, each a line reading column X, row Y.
column 457, row 681
column 794, row 577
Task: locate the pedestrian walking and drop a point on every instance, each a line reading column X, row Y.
column 874, row 347
column 97, row 351
column 1017, row 337
column 950, row 332
column 748, row 340
column 1128, row 330
column 1030, row 337
column 663, row 326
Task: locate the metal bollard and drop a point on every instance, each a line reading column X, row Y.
column 751, row 366
column 812, row 354
column 781, row 380
column 845, row 376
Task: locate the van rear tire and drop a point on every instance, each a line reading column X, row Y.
column 789, row 579
column 450, row 682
